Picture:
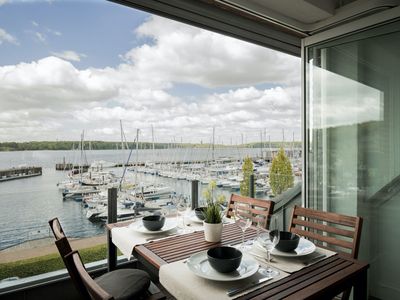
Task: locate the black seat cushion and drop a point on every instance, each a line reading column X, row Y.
column 124, row 283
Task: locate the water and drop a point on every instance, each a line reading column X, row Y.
column 26, row 205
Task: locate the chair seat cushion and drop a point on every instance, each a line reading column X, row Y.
column 124, row 283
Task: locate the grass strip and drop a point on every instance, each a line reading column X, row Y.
column 48, row 263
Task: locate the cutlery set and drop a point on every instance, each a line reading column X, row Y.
column 235, row 291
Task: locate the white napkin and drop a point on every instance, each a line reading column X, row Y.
column 180, row 282
column 290, row 264
column 127, row 238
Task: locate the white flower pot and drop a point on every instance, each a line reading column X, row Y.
column 212, row 232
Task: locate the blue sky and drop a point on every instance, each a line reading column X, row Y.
column 68, row 66
column 102, row 30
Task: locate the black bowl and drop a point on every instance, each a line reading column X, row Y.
column 199, row 211
column 154, row 222
column 287, row 241
column 224, row 259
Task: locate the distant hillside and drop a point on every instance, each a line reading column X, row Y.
column 101, row 145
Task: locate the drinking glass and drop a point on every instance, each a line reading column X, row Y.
column 183, row 207
column 260, row 219
column 269, row 244
column 242, row 216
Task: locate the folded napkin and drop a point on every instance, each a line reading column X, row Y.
column 182, row 283
column 291, row 264
column 127, row 238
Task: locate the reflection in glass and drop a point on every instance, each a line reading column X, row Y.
column 353, row 142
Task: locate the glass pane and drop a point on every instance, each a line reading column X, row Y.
column 353, row 138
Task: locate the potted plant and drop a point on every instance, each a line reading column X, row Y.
column 212, row 214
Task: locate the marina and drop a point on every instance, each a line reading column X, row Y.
column 80, row 200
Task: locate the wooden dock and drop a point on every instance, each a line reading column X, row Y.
column 69, row 166
column 19, row 173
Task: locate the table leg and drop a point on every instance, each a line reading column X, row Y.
column 111, row 218
column 112, row 253
column 360, row 286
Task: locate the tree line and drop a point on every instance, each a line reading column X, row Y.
column 72, row 145
column 103, row 145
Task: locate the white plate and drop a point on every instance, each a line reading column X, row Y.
column 228, row 220
column 169, row 225
column 195, row 219
column 305, row 247
column 198, row 264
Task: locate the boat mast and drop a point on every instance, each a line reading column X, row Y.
column 270, row 149
column 213, row 144
column 81, row 166
column 293, row 146
column 137, row 155
column 152, row 139
column 122, row 143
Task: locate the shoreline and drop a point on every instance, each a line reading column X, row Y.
column 46, row 246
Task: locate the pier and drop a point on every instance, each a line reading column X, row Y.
column 69, row 166
column 19, row 173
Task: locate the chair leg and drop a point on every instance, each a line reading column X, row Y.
column 154, row 293
column 346, row 294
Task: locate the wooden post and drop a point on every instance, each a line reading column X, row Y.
column 251, row 186
column 111, row 218
column 195, row 194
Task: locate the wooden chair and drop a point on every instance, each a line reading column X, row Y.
column 336, row 232
column 339, row 233
column 118, row 284
column 63, row 247
column 258, row 207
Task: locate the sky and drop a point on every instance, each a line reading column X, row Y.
column 73, row 66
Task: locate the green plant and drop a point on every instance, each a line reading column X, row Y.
column 213, row 211
column 247, row 169
column 280, row 174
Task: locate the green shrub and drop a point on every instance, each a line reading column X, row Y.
column 48, row 263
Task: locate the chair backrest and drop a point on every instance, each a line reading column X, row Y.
column 64, row 248
column 336, row 232
column 93, row 290
column 56, row 228
column 62, row 243
column 259, row 207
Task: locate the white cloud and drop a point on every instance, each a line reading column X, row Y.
column 40, row 37
column 36, row 24
column 54, row 32
column 6, row 37
column 209, row 59
column 69, row 55
column 51, row 83
column 62, row 100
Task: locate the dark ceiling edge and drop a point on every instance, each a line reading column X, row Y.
column 209, row 17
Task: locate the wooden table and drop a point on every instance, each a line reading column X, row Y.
column 323, row 280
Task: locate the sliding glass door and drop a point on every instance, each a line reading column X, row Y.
column 352, row 120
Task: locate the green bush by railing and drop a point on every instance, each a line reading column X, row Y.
column 48, row 263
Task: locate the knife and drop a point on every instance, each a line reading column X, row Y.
column 314, row 259
column 252, row 284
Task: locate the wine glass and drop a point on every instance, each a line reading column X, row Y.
column 260, row 219
column 269, row 241
column 183, row 206
column 242, row 216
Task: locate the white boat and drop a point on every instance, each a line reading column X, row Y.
column 152, row 192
